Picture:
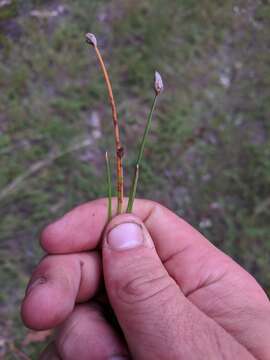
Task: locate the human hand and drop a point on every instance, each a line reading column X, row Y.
column 174, row 294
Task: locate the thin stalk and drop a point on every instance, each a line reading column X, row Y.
column 91, row 39
column 133, row 189
column 109, row 186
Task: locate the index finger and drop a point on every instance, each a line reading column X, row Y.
column 81, row 229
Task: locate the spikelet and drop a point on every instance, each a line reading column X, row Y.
column 158, row 84
column 91, row 39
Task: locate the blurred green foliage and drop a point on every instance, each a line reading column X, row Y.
column 208, row 154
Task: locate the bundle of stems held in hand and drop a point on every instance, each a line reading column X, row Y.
column 158, row 87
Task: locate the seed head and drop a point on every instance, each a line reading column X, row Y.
column 91, row 39
column 158, row 83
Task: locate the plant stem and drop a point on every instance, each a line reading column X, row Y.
column 133, row 189
column 118, row 147
column 109, row 186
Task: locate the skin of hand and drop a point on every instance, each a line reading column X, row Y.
column 174, row 295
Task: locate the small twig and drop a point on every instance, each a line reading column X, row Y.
column 158, row 86
column 262, row 207
column 34, row 168
column 109, row 186
column 91, row 39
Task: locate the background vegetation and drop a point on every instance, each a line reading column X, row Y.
column 208, row 156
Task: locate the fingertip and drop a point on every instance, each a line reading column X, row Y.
column 46, row 238
column 43, row 307
column 53, row 236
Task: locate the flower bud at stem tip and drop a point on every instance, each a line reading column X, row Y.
column 91, row 39
column 158, row 85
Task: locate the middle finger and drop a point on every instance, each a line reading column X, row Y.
column 58, row 282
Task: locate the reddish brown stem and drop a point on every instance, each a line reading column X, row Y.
column 118, row 146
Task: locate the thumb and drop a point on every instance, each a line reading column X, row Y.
column 157, row 320
column 143, row 295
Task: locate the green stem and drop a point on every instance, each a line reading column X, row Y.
column 109, row 186
column 133, row 189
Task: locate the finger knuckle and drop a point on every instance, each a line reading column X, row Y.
column 146, row 287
